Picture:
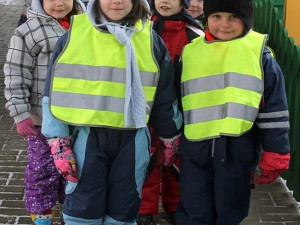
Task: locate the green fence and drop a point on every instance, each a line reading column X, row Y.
column 268, row 18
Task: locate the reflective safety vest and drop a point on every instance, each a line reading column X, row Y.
column 89, row 77
column 222, row 86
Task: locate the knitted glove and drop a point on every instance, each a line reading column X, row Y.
column 64, row 159
column 272, row 164
column 171, row 150
column 25, row 127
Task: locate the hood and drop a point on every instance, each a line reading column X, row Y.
column 91, row 12
column 37, row 7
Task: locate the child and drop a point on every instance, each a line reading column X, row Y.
column 108, row 77
column 196, row 11
column 177, row 28
column 234, row 101
column 25, row 71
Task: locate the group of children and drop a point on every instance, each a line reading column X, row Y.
column 119, row 110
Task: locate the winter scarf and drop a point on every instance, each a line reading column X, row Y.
column 64, row 22
column 209, row 36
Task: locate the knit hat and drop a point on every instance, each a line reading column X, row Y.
column 242, row 8
column 185, row 3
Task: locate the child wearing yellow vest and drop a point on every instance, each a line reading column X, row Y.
column 109, row 76
column 234, row 105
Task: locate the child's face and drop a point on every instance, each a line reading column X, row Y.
column 57, row 8
column 225, row 26
column 115, row 10
column 168, row 7
column 196, row 8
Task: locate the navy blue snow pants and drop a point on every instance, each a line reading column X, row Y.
column 111, row 168
column 215, row 178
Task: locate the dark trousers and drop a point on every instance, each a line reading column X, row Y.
column 215, row 180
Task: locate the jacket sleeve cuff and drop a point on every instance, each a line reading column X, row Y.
column 20, row 117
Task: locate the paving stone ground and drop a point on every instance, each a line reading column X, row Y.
column 270, row 204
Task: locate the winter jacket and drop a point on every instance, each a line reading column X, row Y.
column 273, row 116
column 27, row 62
column 176, row 33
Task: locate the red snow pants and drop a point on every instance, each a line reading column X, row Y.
column 162, row 181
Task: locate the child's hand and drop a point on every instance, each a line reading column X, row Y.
column 272, row 164
column 171, row 150
column 25, row 127
column 63, row 158
column 267, row 176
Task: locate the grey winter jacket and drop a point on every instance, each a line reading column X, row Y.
column 27, row 62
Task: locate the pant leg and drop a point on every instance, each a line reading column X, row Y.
column 152, row 184
column 127, row 175
column 86, row 199
column 61, row 190
column 219, row 170
column 197, row 202
column 170, row 187
column 112, row 167
column 151, row 190
column 42, row 180
column 233, row 178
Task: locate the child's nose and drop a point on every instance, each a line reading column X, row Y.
column 193, row 3
column 117, row 1
column 59, row 2
column 225, row 23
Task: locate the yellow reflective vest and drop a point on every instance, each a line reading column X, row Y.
column 222, row 86
column 88, row 78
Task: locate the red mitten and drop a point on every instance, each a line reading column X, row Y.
column 25, row 127
column 272, row 164
column 171, row 150
column 267, row 176
column 64, row 159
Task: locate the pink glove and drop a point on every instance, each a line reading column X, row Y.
column 272, row 164
column 64, row 159
column 25, row 127
column 171, row 150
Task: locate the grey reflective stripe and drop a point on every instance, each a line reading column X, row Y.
column 222, row 81
column 102, row 73
column 94, row 102
column 234, row 110
column 273, row 125
column 273, row 114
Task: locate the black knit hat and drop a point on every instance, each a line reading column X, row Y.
column 242, row 8
column 185, row 3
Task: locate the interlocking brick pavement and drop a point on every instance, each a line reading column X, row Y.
column 270, row 204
